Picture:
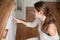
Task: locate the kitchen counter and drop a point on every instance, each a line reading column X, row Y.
column 5, row 10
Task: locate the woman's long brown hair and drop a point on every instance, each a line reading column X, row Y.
column 49, row 17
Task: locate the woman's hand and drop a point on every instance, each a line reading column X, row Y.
column 17, row 20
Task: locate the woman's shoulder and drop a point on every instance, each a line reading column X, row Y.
column 52, row 26
column 52, row 29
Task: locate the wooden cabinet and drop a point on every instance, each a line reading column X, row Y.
column 9, row 28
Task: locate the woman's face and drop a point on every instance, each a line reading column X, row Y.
column 38, row 14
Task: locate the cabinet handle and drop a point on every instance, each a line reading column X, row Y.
column 5, row 33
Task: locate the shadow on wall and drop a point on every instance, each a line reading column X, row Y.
column 58, row 0
column 58, row 4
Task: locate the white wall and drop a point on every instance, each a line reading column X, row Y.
column 30, row 3
column 19, row 3
column 49, row 0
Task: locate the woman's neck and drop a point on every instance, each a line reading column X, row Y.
column 42, row 18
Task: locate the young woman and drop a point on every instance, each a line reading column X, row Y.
column 47, row 27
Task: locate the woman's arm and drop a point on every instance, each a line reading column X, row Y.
column 28, row 24
column 32, row 24
column 52, row 29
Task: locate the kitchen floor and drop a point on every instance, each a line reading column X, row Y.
column 24, row 33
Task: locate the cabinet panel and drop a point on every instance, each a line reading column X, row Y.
column 11, row 26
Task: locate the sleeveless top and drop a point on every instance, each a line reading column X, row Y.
column 43, row 36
